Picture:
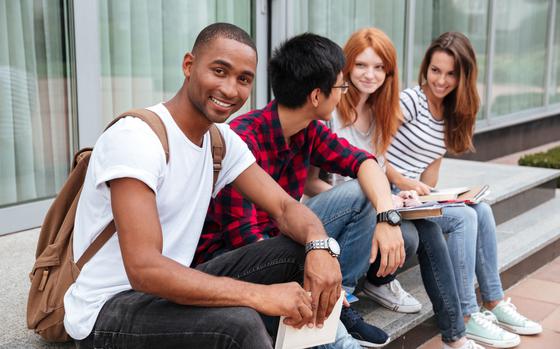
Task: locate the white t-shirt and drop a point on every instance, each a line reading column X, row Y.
column 183, row 188
column 420, row 139
column 357, row 138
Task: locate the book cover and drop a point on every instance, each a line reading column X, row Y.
column 426, row 210
column 292, row 338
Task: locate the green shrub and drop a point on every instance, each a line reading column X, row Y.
column 549, row 159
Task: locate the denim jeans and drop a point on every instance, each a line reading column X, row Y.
column 133, row 319
column 438, row 278
column 473, row 249
column 348, row 216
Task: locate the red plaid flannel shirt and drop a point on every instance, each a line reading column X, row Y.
column 233, row 221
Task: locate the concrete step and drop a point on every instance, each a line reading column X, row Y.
column 525, row 243
column 513, row 189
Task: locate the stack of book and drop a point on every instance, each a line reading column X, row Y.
column 433, row 203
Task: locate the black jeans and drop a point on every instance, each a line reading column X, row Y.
column 132, row 319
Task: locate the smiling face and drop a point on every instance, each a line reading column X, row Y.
column 220, row 77
column 368, row 72
column 441, row 77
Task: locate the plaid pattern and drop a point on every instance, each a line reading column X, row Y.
column 233, row 221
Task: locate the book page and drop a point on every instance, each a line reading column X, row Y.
column 291, row 338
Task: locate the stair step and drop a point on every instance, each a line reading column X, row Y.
column 513, row 189
column 519, row 239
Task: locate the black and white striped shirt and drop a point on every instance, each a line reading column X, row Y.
column 420, row 139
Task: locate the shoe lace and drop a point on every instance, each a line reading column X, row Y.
column 397, row 290
column 349, row 315
column 511, row 310
column 487, row 320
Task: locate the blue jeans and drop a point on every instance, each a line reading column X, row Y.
column 473, row 249
column 438, row 278
column 347, row 215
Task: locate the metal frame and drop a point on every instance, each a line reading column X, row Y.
column 549, row 51
column 261, row 13
column 490, row 44
column 410, row 8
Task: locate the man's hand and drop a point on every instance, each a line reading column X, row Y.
column 289, row 300
column 322, row 277
column 387, row 240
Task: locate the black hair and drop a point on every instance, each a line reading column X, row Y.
column 302, row 64
column 222, row 30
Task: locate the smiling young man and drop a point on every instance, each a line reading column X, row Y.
column 138, row 291
column 287, row 137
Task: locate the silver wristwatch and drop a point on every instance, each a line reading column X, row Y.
column 329, row 244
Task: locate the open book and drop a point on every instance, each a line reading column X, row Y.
column 291, row 338
column 444, row 194
column 426, row 210
column 467, row 195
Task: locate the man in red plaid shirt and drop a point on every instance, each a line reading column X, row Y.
column 287, row 137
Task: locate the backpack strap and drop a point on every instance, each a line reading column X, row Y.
column 218, row 151
column 157, row 125
column 96, row 245
column 153, row 120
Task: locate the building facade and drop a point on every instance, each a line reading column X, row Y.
column 68, row 66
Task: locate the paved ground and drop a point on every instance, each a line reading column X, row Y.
column 537, row 297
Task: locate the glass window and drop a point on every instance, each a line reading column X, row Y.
column 143, row 43
column 519, row 55
column 337, row 20
column 34, row 100
column 435, row 17
column 555, row 73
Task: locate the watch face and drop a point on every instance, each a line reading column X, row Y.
column 394, row 217
column 333, row 246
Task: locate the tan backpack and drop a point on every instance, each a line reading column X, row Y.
column 55, row 270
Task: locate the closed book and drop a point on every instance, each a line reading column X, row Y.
column 421, row 212
column 292, row 338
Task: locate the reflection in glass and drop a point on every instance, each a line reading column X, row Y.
column 555, row 73
column 519, row 55
column 34, row 99
column 435, row 17
column 143, row 43
column 338, row 19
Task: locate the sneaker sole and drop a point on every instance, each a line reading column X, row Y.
column 372, row 345
column 486, row 341
column 520, row 330
column 407, row 309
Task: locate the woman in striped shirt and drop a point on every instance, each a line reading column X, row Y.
column 439, row 116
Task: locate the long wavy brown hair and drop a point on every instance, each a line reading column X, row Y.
column 461, row 105
column 384, row 102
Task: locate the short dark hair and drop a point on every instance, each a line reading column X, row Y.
column 222, row 30
column 302, row 64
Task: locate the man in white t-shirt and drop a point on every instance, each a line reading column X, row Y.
column 138, row 290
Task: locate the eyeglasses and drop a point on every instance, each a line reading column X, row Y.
column 343, row 88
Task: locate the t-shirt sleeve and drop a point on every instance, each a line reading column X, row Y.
column 408, row 105
column 129, row 149
column 238, row 158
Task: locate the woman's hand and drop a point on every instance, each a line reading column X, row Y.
column 410, row 198
column 413, row 184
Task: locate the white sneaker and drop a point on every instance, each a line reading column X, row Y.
column 469, row 344
column 509, row 318
column 392, row 296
